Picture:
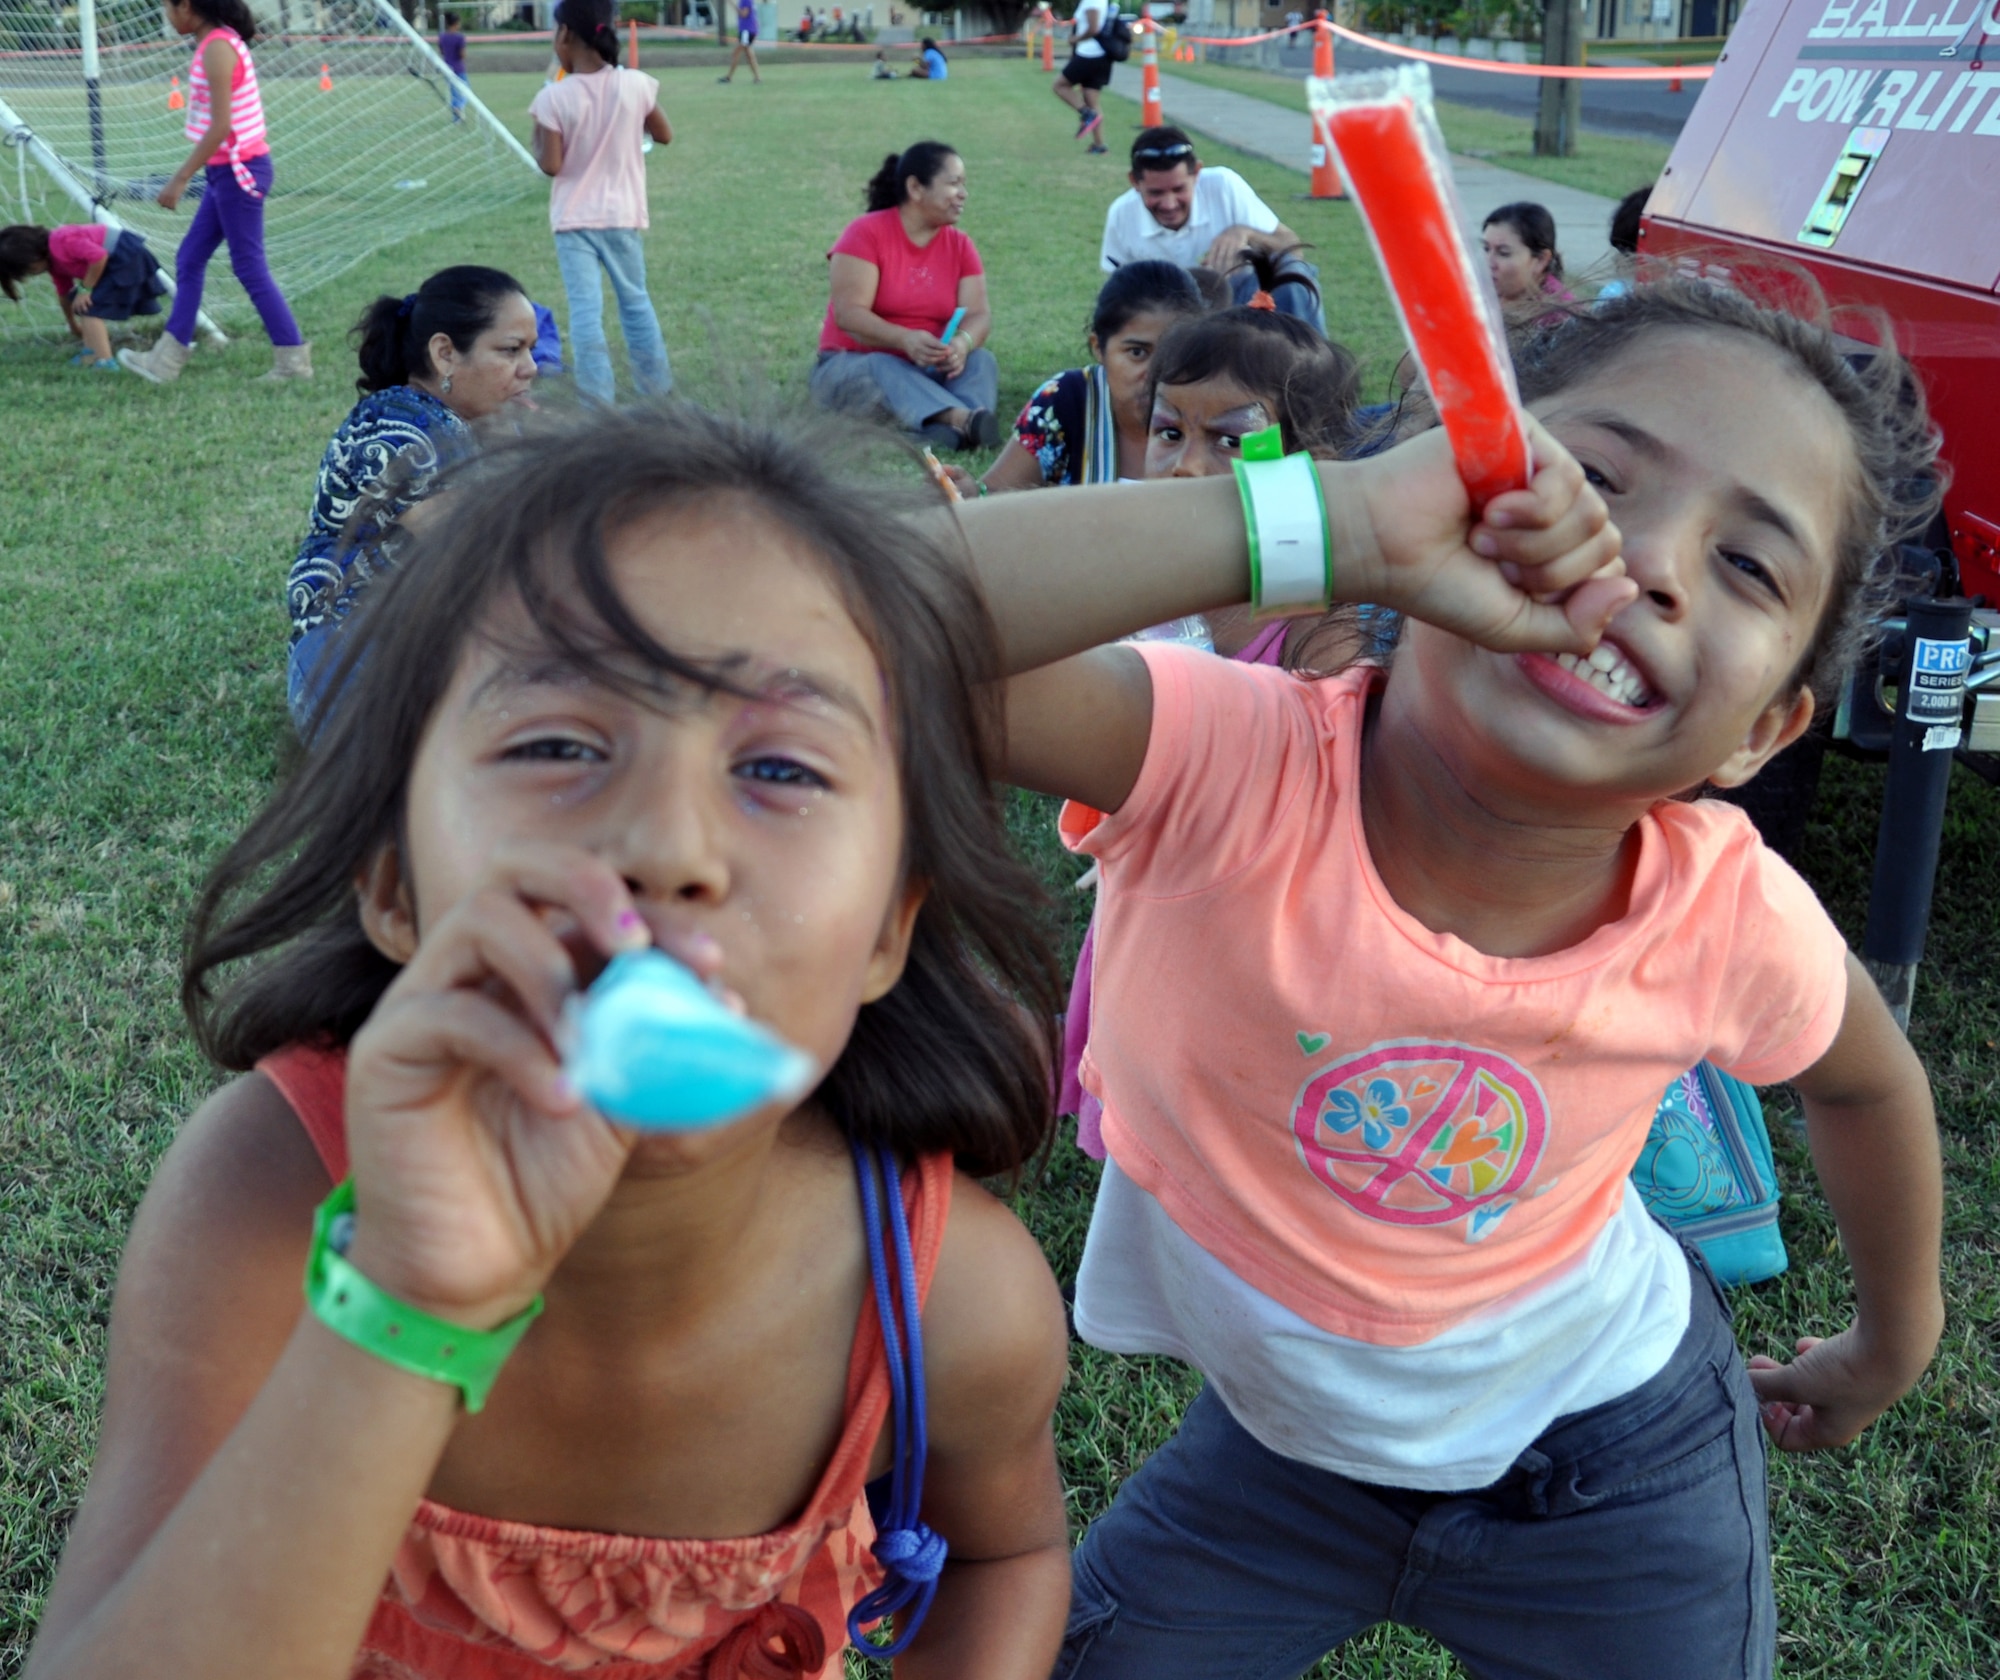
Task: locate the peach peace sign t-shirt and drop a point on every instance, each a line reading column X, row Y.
column 1377, row 1126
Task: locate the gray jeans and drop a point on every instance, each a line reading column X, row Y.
column 1629, row 1542
column 877, row 382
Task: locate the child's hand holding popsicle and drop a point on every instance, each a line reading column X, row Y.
column 1537, row 568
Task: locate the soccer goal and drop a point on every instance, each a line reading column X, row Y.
column 374, row 139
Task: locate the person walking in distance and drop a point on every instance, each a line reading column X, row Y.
column 451, row 48
column 746, row 41
column 1084, row 78
column 225, row 120
column 588, row 131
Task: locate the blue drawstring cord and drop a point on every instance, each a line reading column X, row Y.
column 911, row 1554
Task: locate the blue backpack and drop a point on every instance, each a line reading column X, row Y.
column 1707, row 1172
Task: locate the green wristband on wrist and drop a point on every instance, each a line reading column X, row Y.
column 354, row 1307
column 1284, row 515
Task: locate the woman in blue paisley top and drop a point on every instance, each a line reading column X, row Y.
column 433, row 364
column 1088, row 425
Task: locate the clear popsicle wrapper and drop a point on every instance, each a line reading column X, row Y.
column 651, row 1047
column 1383, row 129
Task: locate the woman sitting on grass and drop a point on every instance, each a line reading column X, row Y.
column 433, row 364
column 898, row 277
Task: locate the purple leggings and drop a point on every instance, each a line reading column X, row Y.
column 228, row 212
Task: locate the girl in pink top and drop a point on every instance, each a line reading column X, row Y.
column 100, row 274
column 718, row 706
column 1391, row 970
column 590, row 127
column 226, row 122
column 907, row 317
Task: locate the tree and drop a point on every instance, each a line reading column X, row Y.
column 1561, row 109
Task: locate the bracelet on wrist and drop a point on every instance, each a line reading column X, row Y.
column 353, row 1306
column 1285, row 518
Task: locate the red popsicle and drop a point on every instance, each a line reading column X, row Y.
column 1406, row 200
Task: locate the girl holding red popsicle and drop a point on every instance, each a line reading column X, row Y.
column 1391, row 968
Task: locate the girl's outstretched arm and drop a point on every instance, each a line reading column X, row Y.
column 1875, row 1147
column 1538, row 569
column 996, row 1351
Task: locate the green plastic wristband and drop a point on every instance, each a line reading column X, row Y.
column 353, row 1306
column 1290, row 485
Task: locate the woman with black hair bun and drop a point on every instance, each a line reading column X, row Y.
column 1527, row 269
column 225, row 120
column 907, row 318
column 433, row 365
column 590, row 128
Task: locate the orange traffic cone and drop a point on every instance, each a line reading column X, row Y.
column 1150, row 113
column 1675, row 85
column 176, row 100
column 1325, row 171
column 325, row 79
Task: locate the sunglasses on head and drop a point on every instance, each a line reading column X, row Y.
column 1162, row 154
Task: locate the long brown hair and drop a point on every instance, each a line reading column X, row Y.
column 955, row 1057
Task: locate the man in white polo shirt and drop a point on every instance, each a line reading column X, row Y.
column 1179, row 212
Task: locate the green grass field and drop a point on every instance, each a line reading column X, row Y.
column 1610, row 164
column 143, row 546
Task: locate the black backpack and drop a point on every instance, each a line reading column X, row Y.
column 1116, row 38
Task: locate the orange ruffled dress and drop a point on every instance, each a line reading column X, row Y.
column 475, row 1598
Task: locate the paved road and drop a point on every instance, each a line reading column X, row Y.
column 1634, row 108
column 1284, row 136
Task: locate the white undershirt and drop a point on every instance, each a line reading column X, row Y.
column 1445, row 1415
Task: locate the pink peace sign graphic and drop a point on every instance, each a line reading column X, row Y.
column 1420, row 1133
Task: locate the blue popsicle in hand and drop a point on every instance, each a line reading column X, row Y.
column 951, row 326
column 650, row 1047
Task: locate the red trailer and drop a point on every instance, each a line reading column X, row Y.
column 1859, row 140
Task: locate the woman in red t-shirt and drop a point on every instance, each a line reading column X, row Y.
column 899, row 275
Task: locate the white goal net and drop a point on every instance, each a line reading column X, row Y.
column 360, row 114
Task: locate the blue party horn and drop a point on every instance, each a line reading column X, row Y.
column 649, row 1046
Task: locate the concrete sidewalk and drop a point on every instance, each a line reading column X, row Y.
column 1269, row 130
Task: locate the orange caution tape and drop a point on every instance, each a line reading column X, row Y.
column 1492, row 66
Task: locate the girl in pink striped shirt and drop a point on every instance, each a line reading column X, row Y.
column 234, row 158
